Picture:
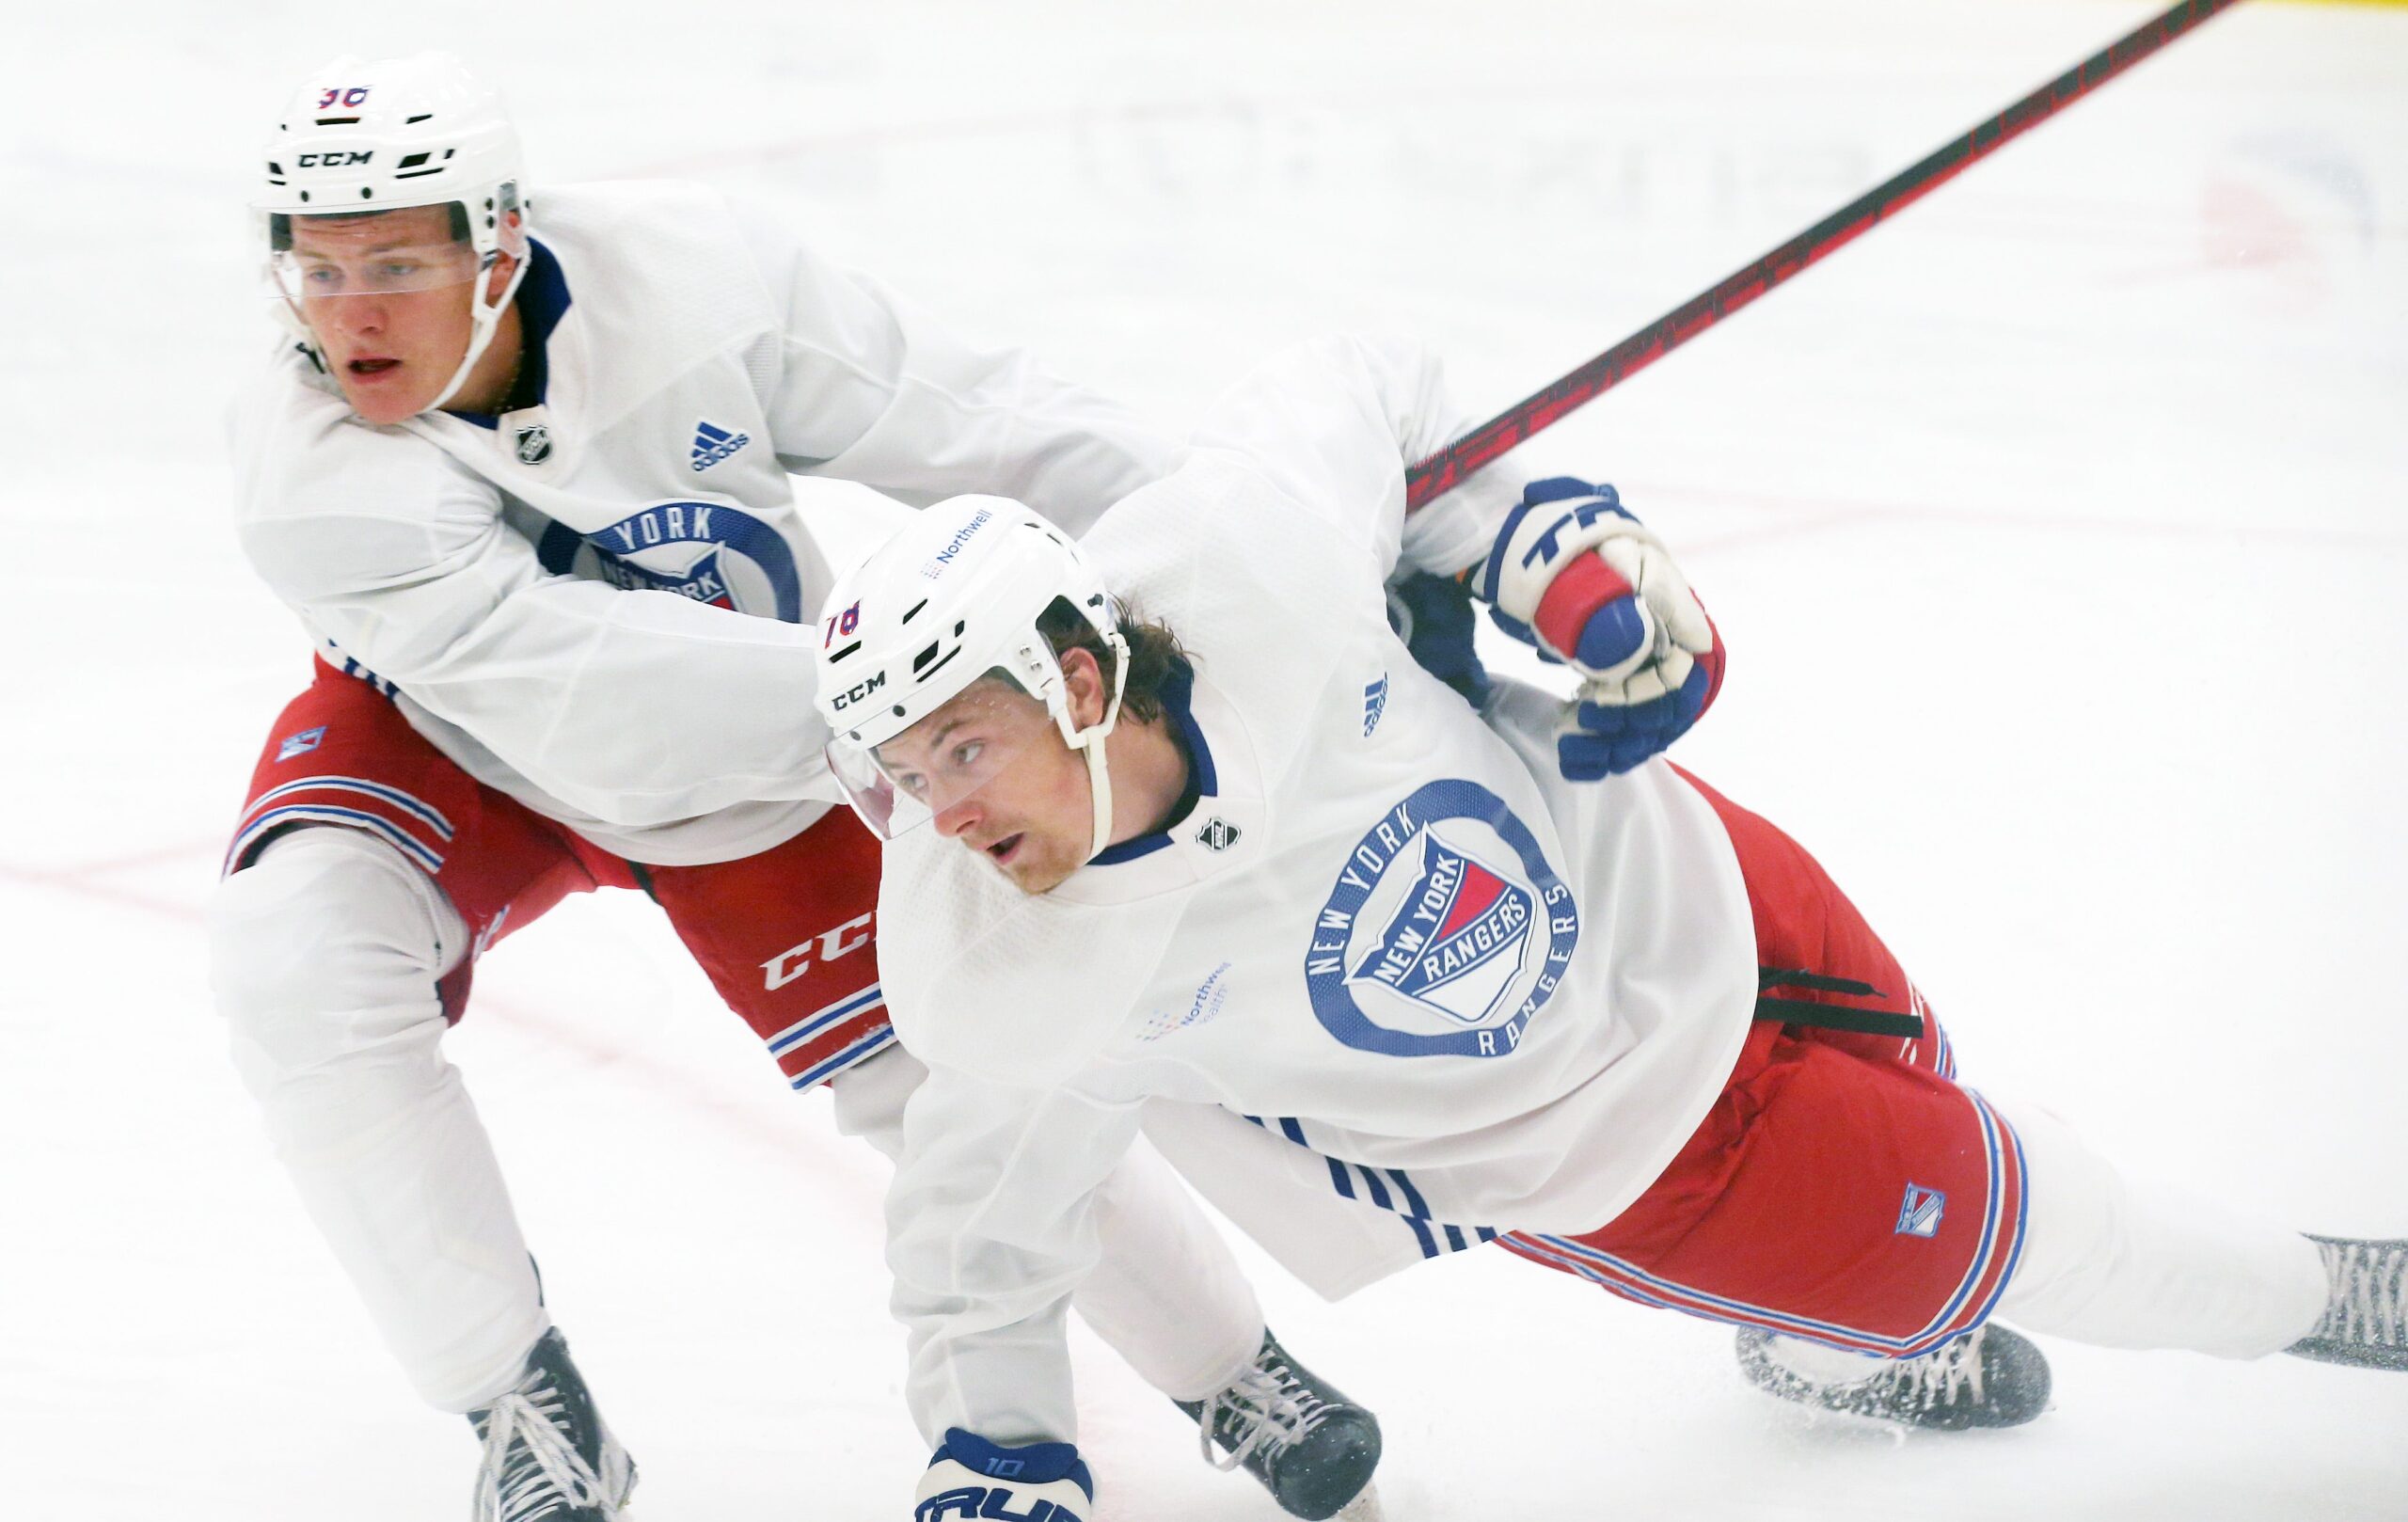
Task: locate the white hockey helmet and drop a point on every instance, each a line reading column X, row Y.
column 361, row 138
column 956, row 595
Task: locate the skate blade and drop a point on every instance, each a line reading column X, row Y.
column 1363, row 1507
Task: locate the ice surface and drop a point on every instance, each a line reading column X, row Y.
column 2055, row 529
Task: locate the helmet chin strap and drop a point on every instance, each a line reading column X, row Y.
column 487, row 320
column 1091, row 740
column 1098, row 788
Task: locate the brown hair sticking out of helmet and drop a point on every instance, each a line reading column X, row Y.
column 1153, row 650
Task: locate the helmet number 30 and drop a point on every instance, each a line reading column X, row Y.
column 343, row 97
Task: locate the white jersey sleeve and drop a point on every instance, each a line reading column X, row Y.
column 870, row 389
column 637, row 709
column 1335, row 422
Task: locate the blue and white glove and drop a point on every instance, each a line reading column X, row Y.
column 972, row 1479
column 1575, row 575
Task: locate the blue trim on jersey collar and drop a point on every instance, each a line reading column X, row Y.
column 542, row 302
column 1177, row 694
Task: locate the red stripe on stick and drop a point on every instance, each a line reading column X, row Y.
column 1685, row 322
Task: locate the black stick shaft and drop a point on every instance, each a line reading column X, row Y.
column 1694, row 316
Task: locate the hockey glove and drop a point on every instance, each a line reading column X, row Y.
column 1575, row 575
column 971, row 1478
column 1602, row 735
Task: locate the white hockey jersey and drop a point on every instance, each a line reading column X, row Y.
column 555, row 592
column 1473, row 994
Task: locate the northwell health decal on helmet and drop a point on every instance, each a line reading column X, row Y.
column 366, row 138
column 956, row 595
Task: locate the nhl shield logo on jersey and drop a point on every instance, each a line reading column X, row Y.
column 533, row 444
column 1447, row 929
column 708, row 551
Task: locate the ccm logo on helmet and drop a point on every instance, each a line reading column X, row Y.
column 333, row 161
column 859, row 691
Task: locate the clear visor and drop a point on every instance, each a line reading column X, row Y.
column 386, row 253
column 946, row 765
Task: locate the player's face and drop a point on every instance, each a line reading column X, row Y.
column 1001, row 781
column 388, row 298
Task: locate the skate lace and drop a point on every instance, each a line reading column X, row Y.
column 1940, row 1377
column 1268, row 1409
column 2369, row 1303
column 531, row 1467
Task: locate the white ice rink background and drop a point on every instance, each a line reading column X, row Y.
column 2055, row 529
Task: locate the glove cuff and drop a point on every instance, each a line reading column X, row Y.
column 1034, row 1463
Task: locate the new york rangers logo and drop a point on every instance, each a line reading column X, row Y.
column 1919, row 1213
column 701, row 580
column 708, row 551
column 1447, row 929
column 1455, row 943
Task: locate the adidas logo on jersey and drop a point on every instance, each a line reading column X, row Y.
column 713, row 444
column 1375, row 703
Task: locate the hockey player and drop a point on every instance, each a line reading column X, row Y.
column 1619, row 1024
column 524, row 482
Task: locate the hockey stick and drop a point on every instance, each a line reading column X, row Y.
column 1694, row 316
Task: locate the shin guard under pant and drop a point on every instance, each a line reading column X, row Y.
column 1166, row 1295
column 325, row 954
column 2115, row 1263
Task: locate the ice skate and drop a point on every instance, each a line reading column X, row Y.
column 2365, row 1324
column 549, row 1456
column 1311, row 1447
column 1991, row 1378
